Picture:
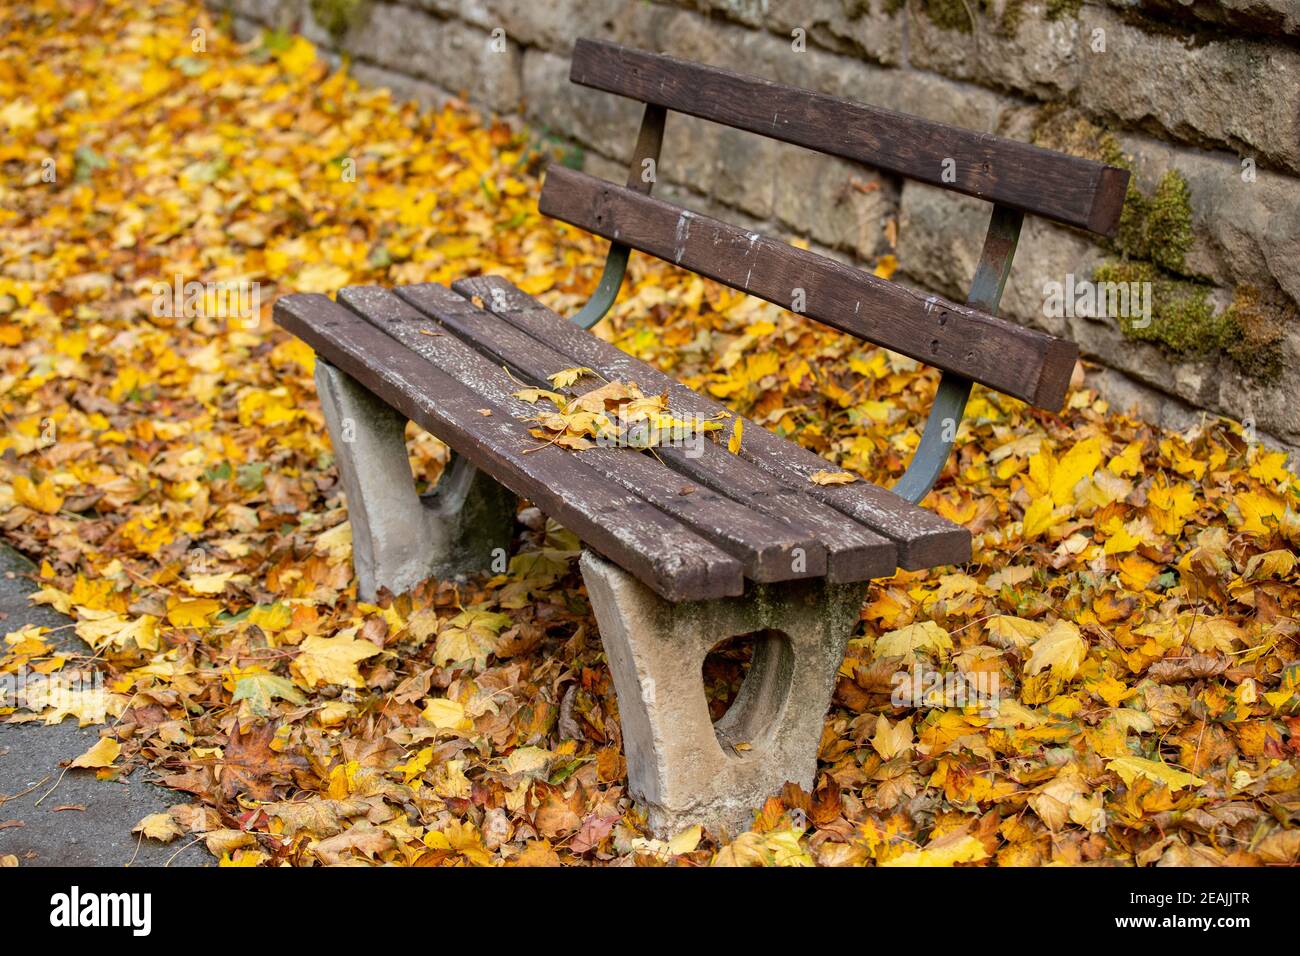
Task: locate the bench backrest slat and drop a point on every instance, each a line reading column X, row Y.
column 1068, row 189
column 1028, row 364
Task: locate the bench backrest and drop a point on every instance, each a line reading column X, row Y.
column 1017, row 177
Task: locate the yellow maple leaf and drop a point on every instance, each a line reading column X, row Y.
column 537, row 283
column 686, row 841
column 1062, row 649
column 1269, row 466
column 332, row 660
column 44, row 497
column 1131, row 768
column 1058, row 477
column 567, row 376
column 1208, row 634
column 1169, row 506
column 1007, row 631
column 1041, row 516
column 196, row 613
column 926, row 636
column 159, row 826
column 890, row 741
column 1259, row 512
column 531, row 395
column 271, row 617
column 1269, row 565
column 336, row 542
column 1128, row 462
column 1122, row 540
column 101, row 755
column 107, row 628
column 446, row 714
column 737, row 432
column 832, row 478
column 948, row 850
column 1112, row 691
column 321, row 277
column 208, row 583
column 470, row 635
column 297, row 57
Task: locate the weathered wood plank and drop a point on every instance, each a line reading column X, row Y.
column 1023, row 362
column 1075, row 191
column 923, row 538
column 854, row 553
column 673, row 560
column 768, row 548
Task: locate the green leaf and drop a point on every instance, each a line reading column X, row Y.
column 260, row 689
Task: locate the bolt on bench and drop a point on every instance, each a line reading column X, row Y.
column 682, row 549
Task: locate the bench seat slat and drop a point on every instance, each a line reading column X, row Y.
column 854, row 552
column 923, row 538
column 769, row 549
column 1078, row 192
column 672, row 559
column 1028, row 364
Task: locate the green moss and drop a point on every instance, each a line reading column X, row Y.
column 337, row 16
column 1151, row 245
column 893, row 6
column 949, row 14
column 1067, row 131
column 1249, row 332
column 1169, row 222
column 1182, row 316
column 1131, row 237
column 958, row 15
column 1255, row 325
column 1057, row 9
column 1013, row 12
column 1158, row 227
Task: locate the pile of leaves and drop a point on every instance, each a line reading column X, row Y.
column 613, row 413
column 1128, row 618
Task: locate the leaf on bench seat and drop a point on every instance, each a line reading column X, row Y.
column 567, row 376
column 615, row 413
column 832, row 478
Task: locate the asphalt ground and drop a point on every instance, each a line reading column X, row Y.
column 82, row 821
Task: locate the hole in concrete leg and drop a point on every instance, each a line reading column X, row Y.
column 747, row 683
column 724, row 671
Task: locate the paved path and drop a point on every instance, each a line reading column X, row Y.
column 99, row 835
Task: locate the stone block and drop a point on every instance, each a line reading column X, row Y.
column 398, row 537
column 836, row 202
column 1269, row 17
column 856, row 29
column 404, row 88
column 1033, row 54
column 279, row 14
column 1239, row 94
column 459, row 58
column 1244, row 232
column 682, row 767
column 554, row 25
column 598, row 120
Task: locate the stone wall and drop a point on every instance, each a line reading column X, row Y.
column 1200, row 99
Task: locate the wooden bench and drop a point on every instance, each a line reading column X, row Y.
column 687, row 547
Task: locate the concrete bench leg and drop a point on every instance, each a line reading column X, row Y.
column 398, row 537
column 681, row 766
